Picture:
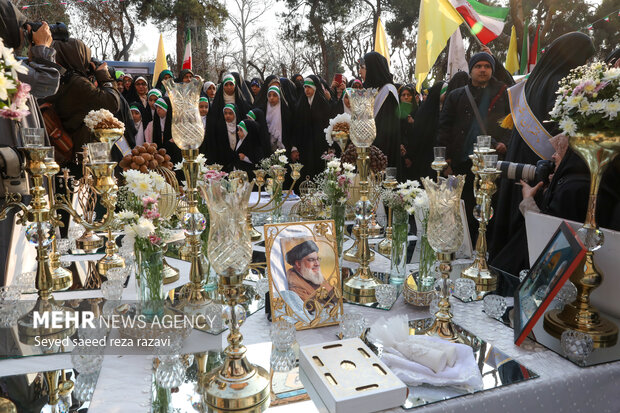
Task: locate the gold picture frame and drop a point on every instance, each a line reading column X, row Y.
column 305, row 283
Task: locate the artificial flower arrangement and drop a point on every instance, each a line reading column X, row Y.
column 277, row 159
column 139, row 213
column 13, row 93
column 588, row 100
column 335, row 181
column 338, row 126
column 408, row 197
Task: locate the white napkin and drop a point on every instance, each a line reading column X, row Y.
column 420, row 360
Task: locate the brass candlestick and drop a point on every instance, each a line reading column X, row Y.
column 194, row 224
column 486, row 173
column 390, row 183
column 39, row 233
column 598, row 150
column 279, row 174
column 86, row 198
column 237, row 384
column 360, row 288
column 62, row 278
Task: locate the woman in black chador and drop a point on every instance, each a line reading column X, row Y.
column 311, row 118
column 377, row 75
column 424, row 135
column 228, row 93
column 247, row 150
column 565, row 53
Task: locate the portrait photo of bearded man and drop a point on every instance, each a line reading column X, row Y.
column 305, row 276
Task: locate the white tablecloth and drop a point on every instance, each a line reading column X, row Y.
column 124, row 383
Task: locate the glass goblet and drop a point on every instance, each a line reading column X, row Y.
column 464, row 288
column 576, row 345
column 386, row 294
column 352, row 325
column 494, row 306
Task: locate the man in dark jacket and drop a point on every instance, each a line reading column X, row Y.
column 459, row 127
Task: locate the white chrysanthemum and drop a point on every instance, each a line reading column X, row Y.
column 279, row 151
column 612, row 108
column 573, row 101
column 334, row 164
column 178, row 166
column 348, row 166
column 157, row 181
column 143, row 228
column 342, row 200
column 127, row 216
column 283, row 158
column 5, row 85
column 568, row 126
column 611, row 74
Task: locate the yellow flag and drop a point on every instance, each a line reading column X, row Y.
column 381, row 45
column 438, row 20
column 160, row 63
column 512, row 60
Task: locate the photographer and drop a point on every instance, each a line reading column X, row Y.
column 566, row 197
column 77, row 95
column 42, row 75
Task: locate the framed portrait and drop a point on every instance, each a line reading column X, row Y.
column 305, row 285
column 562, row 255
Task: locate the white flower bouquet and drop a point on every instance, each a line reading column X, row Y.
column 139, row 213
column 277, row 159
column 338, row 125
column 13, row 93
column 588, row 100
column 408, row 196
column 335, row 181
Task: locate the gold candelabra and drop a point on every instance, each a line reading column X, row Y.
column 39, row 232
column 278, row 174
column 86, row 197
column 389, row 183
column 484, row 167
column 62, row 279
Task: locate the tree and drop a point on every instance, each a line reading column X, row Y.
column 247, row 13
column 606, row 33
column 321, row 23
column 184, row 14
column 111, row 28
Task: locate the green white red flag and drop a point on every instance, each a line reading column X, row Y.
column 187, row 56
column 486, row 22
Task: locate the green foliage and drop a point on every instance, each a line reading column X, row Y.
column 606, row 33
column 162, row 12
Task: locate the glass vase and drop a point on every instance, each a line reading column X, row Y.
column 338, row 215
column 150, row 279
column 427, row 257
column 445, row 228
column 400, row 228
column 211, row 281
column 187, row 128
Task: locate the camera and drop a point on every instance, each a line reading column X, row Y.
column 59, row 31
column 529, row 173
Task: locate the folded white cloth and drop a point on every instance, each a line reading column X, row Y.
column 418, row 360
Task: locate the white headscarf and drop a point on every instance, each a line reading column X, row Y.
column 274, row 123
column 206, row 86
column 140, row 134
column 232, row 133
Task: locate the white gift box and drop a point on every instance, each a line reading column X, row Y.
column 349, row 377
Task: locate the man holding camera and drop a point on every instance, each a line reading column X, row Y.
column 43, row 77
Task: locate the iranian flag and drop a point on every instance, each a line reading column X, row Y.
column 486, row 22
column 187, row 57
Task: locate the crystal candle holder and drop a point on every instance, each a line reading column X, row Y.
column 494, row 306
column 576, row 345
column 98, row 152
column 490, row 162
column 33, row 137
column 352, row 325
column 386, row 294
column 464, row 288
column 484, row 143
column 112, row 290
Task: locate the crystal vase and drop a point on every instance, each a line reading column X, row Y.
column 237, row 384
column 338, row 215
column 276, row 194
column 598, row 150
column 445, row 236
column 427, row 257
column 187, row 129
column 400, row 229
column 150, row 279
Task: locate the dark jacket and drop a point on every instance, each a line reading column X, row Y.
column 457, row 116
column 77, row 96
